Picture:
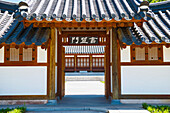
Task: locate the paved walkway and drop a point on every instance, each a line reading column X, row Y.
column 84, row 88
column 84, row 97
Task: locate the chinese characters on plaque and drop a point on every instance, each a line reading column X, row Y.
column 84, row 40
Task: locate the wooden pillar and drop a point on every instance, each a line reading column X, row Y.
column 75, row 62
column 115, row 63
column 51, row 93
column 91, row 63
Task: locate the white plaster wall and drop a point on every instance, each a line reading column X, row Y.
column 166, row 54
column 41, row 55
column 145, row 80
column 125, row 54
column 55, row 79
column 2, row 55
column 23, row 80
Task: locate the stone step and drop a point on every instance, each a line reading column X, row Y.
column 84, row 73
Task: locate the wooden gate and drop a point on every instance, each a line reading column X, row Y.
column 107, row 73
column 61, row 74
column 78, row 63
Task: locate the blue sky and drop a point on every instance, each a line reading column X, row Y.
column 15, row 1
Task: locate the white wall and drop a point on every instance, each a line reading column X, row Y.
column 2, row 55
column 41, row 55
column 166, row 54
column 125, row 54
column 145, row 79
column 23, row 80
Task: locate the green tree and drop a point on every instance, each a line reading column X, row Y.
column 154, row 1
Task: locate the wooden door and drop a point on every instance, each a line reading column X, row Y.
column 63, row 73
column 107, row 73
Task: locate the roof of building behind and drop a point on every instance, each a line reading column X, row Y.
column 156, row 29
column 8, row 6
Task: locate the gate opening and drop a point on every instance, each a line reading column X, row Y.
column 82, row 57
column 84, row 70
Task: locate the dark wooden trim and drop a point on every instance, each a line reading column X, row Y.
column 84, row 33
column 24, row 97
column 20, row 47
column 143, row 64
column 144, row 96
column 146, row 61
column 59, row 68
column 23, row 64
column 119, row 69
column 61, row 24
column 48, row 70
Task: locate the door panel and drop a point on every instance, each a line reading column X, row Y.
column 63, row 73
column 107, row 73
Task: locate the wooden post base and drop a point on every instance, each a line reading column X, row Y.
column 52, row 102
column 115, row 102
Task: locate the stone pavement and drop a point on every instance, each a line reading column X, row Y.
column 84, row 88
column 84, row 104
column 93, row 101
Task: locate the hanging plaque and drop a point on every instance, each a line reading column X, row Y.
column 83, row 40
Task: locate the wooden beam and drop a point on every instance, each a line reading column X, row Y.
column 51, row 92
column 83, row 23
column 115, row 81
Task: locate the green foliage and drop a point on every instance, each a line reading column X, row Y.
column 102, row 81
column 13, row 110
column 154, row 1
column 156, row 109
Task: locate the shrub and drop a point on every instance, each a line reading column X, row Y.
column 14, row 110
column 156, row 109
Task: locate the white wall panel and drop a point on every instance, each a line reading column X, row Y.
column 23, row 80
column 145, row 79
column 2, row 55
column 41, row 55
column 166, row 54
column 125, row 54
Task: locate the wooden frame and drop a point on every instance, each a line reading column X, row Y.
column 64, row 43
column 20, row 47
column 83, row 23
column 29, row 97
column 147, row 61
column 143, row 63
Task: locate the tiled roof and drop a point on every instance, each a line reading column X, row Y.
column 8, row 6
column 84, row 49
column 156, row 29
column 12, row 30
column 82, row 9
